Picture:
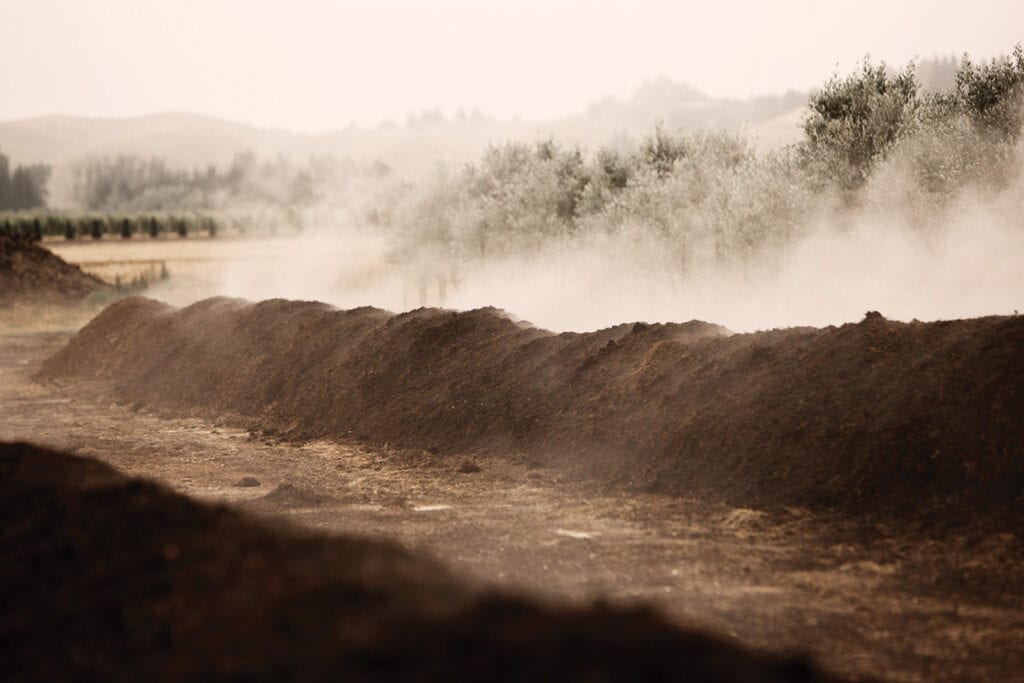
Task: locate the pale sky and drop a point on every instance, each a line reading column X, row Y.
column 313, row 65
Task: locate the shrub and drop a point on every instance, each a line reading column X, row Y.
column 721, row 201
column 964, row 138
column 991, row 94
column 854, row 121
column 661, row 151
column 704, row 199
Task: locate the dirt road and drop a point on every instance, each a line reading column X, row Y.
column 862, row 600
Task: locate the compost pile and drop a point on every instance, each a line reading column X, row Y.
column 918, row 422
column 30, row 273
column 111, row 578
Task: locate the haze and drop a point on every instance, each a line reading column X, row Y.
column 313, row 65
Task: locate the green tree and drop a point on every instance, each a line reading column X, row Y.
column 661, row 151
column 992, row 94
column 854, row 121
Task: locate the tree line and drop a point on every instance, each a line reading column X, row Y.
column 36, row 226
column 22, row 188
column 875, row 136
column 150, row 184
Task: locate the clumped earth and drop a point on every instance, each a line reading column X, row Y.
column 114, row 578
column 917, row 423
column 862, row 596
column 30, row 273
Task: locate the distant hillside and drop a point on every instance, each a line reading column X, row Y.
column 195, row 141
column 780, row 130
column 181, row 138
column 680, row 106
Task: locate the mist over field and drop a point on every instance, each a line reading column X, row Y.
column 965, row 262
column 885, row 187
column 897, row 190
column 907, row 201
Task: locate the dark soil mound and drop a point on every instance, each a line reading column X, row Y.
column 109, row 578
column 917, row 421
column 30, row 273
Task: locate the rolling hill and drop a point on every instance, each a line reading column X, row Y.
column 194, row 140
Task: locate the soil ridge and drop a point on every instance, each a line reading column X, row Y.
column 30, row 273
column 912, row 421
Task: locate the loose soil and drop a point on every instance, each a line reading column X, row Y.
column 908, row 423
column 861, row 596
column 30, row 273
column 117, row 578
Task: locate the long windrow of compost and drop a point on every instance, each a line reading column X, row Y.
column 916, row 421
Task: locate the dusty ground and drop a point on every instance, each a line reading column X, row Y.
column 863, row 601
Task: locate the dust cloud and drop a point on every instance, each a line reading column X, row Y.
column 967, row 265
column 889, row 254
column 827, row 278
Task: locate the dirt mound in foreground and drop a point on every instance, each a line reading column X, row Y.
column 917, row 421
column 111, row 578
column 30, row 273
